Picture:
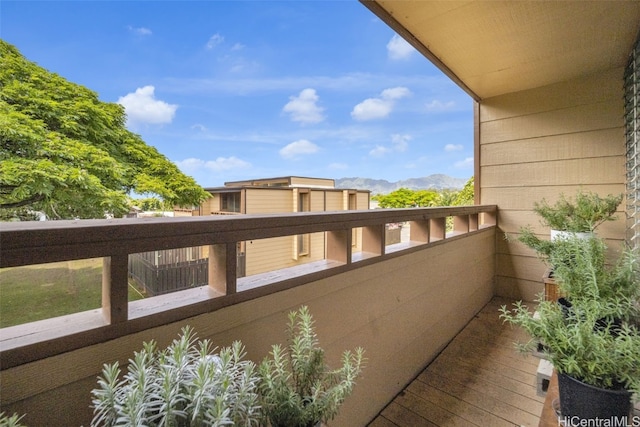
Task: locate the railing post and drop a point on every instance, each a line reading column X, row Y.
column 223, row 268
column 419, row 231
column 437, row 229
column 490, row 218
column 115, row 288
column 339, row 246
column 473, row 222
column 461, row 224
column 373, row 239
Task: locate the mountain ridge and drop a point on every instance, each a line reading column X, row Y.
column 382, row 186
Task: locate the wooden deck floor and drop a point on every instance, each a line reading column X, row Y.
column 478, row 380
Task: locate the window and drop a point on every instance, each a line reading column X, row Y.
column 632, row 134
column 230, row 202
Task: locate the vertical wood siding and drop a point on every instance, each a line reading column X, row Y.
column 543, row 142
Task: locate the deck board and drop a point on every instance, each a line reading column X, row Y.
column 478, row 379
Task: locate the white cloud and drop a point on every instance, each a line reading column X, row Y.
column 141, row 31
column 338, row 166
column 381, row 107
column 237, row 46
column 226, row 163
column 303, row 108
column 400, row 142
column 199, row 127
column 214, row 41
column 193, row 165
column 437, row 106
column 141, row 106
column 379, row 151
column 398, row 48
column 465, row 164
column 395, row 93
column 298, row 148
column 453, row 147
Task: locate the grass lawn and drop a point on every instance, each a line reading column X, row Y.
column 48, row 290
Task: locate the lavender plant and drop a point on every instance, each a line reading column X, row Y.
column 182, row 385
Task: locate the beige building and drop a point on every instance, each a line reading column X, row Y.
column 282, row 195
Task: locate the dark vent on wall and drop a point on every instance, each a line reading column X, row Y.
column 632, row 133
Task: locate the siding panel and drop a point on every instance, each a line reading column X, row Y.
column 543, row 142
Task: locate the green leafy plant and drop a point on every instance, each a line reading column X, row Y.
column 580, row 215
column 297, row 388
column 10, row 421
column 183, row 385
column 594, row 338
column 584, row 213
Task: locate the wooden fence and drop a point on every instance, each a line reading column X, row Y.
column 163, row 271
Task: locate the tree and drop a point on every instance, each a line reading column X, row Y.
column 466, row 196
column 69, row 155
column 405, row 198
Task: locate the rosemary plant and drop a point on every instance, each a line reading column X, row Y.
column 595, row 339
column 297, row 388
column 183, row 385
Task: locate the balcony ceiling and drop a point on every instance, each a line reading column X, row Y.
column 496, row 47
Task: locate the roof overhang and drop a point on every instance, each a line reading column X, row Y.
column 490, row 48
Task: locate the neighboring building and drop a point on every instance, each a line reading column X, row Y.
column 282, row 195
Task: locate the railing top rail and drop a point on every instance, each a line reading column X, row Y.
column 23, row 243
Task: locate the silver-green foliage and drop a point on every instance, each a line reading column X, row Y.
column 10, row 421
column 583, row 213
column 183, row 385
column 596, row 339
column 297, row 388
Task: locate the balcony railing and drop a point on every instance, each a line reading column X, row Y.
column 43, row 344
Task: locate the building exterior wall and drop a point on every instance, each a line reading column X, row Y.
column 538, row 144
column 311, row 182
column 282, row 252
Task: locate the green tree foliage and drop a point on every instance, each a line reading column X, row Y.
column 466, row 195
column 405, row 198
column 65, row 153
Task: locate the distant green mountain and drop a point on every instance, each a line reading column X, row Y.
column 382, row 186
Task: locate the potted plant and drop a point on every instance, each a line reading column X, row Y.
column 183, row 385
column 581, row 215
column 297, row 388
column 594, row 342
column 577, row 217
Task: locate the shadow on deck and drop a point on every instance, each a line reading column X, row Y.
column 478, row 379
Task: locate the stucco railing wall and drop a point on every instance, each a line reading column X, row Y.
column 402, row 303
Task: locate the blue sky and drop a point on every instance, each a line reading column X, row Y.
column 233, row 90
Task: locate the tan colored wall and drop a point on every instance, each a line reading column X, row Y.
column 302, row 181
column 269, row 200
column 402, row 311
column 542, row 142
column 335, row 201
column 362, row 201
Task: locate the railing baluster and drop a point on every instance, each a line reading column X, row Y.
column 339, row 246
column 419, row 231
column 222, row 268
column 115, row 295
column 437, row 229
column 373, row 239
column 461, row 224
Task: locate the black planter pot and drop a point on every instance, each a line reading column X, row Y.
column 583, row 401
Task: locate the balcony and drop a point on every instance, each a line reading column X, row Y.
column 402, row 302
